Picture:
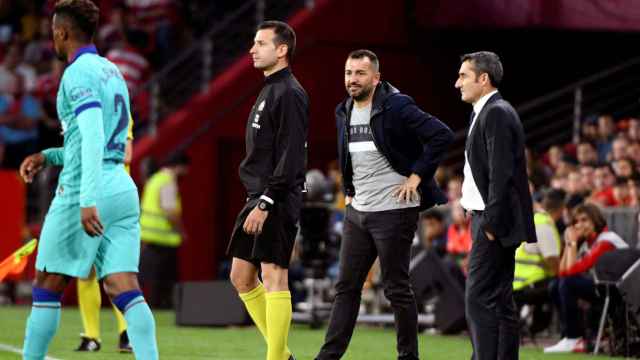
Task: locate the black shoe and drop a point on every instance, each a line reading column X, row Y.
column 89, row 344
column 123, row 343
column 291, row 357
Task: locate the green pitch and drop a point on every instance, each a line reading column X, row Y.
column 233, row 343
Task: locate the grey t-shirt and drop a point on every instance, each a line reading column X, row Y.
column 373, row 178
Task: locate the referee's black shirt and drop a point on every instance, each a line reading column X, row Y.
column 276, row 138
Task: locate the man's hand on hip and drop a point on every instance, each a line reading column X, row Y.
column 408, row 191
column 254, row 222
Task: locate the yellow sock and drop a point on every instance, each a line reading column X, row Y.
column 89, row 302
column 256, row 305
column 122, row 323
column 278, row 323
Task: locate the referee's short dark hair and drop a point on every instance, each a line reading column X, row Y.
column 284, row 35
column 486, row 62
column 83, row 14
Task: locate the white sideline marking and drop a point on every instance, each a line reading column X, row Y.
column 19, row 351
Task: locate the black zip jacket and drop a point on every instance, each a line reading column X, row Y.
column 276, row 138
column 410, row 139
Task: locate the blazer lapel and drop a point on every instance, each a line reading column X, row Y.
column 480, row 121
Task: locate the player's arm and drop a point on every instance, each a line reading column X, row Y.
column 32, row 164
column 290, row 140
column 82, row 91
column 54, row 156
column 92, row 151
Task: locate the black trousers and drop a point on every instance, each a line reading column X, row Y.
column 367, row 235
column 158, row 274
column 491, row 311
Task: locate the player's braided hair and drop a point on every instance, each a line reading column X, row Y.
column 83, row 13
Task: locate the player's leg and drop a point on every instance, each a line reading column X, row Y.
column 44, row 319
column 244, row 277
column 125, row 293
column 123, row 341
column 89, row 302
column 64, row 251
column 278, row 310
column 117, row 264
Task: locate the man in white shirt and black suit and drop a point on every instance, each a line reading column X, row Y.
column 495, row 192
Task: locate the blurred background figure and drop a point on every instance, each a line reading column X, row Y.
column 162, row 232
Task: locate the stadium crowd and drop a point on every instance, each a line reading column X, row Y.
column 602, row 168
column 138, row 36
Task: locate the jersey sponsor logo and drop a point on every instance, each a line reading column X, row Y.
column 80, row 93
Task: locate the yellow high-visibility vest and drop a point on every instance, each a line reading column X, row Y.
column 155, row 227
column 530, row 268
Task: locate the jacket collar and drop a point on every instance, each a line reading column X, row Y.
column 278, row 75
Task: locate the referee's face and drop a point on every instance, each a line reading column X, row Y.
column 264, row 50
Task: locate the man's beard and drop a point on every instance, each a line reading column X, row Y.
column 366, row 91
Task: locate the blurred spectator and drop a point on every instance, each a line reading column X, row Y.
column 585, row 241
column 554, row 156
column 633, row 131
column 9, row 20
column 30, row 21
column 112, row 32
column 587, row 172
column 454, row 188
column 535, row 170
column 586, row 153
column 633, row 152
column 619, row 148
column 458, row 234
column 159, row 19
column 47, row 86
column 567, row 164
column 162, row 232
column 606, row 131
column 589, row 130
column 624, row 168
column 603, row 181
column 575, row 184
column 634, row 192
column 621, row 193
column 433, row 231
column 20, row 113
column 39, row 50
column 128, row 57
column 558, row 182
column 537, row 263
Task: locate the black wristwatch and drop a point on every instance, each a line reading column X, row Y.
column 264, row 205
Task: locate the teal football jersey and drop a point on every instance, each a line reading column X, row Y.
column 91, row 81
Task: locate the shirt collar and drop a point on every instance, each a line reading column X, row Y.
column 482, row 101
column 87, row 49
column 280, row 74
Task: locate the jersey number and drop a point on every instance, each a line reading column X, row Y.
column 122, row 123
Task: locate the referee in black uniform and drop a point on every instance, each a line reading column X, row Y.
column 273, row 174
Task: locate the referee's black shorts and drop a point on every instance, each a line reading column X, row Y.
column 275, row 243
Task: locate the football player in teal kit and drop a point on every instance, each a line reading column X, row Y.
column 93, row 219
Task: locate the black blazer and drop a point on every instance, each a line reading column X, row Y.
column 495, row 151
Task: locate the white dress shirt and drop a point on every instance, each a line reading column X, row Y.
column 471, row 198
